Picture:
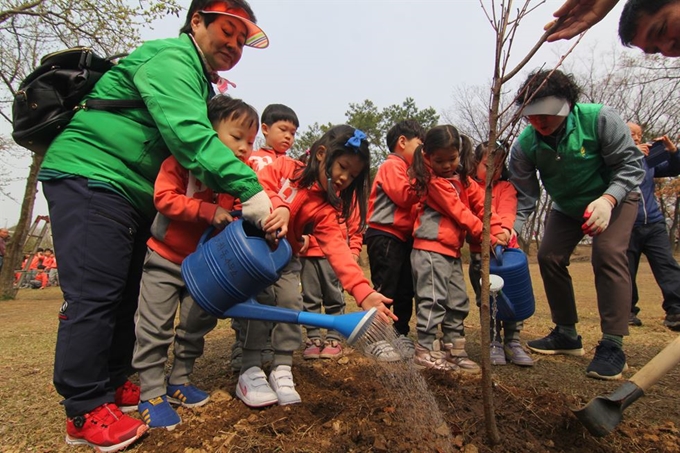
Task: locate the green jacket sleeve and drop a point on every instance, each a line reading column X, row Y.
column 175, row 92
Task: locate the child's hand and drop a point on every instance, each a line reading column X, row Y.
column 356, row 258
column 377, row 300
column 276, row 225
column 221, row 218
column 305, row 243
column 499, row 240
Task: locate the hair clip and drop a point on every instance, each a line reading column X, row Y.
column 355, row 140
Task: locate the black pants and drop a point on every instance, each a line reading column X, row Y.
column 652, row 240
column 101, row 242
column 390, row 263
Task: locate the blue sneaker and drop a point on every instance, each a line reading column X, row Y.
column 157, row 413
column 187, row 395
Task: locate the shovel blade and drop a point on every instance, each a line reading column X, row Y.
column 603, row 413
column 600, row 416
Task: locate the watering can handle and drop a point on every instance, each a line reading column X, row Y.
column 209, row 231
column 498, row 254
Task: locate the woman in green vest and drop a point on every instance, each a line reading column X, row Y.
column 591, row 169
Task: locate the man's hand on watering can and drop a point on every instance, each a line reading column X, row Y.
column 377, row 300
column 221, row 218
column 257, row 208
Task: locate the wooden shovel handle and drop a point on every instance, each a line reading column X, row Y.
column 658, row 366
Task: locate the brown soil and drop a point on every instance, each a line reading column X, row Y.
column 353, row 405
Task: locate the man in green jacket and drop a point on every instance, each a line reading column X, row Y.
column 591, row 169
column 98, row 178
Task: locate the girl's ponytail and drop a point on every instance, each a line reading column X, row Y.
column 419, row 173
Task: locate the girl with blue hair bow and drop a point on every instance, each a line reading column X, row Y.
column 320, row 195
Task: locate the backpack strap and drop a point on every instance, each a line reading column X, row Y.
column 111, row 104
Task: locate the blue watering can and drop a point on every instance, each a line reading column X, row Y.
column 514, row 292
column 227, row 271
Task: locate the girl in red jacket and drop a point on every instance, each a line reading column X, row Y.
column 452, row 206
column 318, row 195
column 504, row 203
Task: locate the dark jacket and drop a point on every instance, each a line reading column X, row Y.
column 648, row 208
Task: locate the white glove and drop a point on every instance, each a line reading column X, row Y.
column 597, row 216
column 257, row 208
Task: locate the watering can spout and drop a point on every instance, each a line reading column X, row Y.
column 352, row 326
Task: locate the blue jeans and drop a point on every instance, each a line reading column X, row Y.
column 653, row 241
column 101, row 242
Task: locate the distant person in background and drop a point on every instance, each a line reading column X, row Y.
column 36, row 261
column 650, row 236
column 40, row 279
column 4, row 236
column 50, row 263
column 591, row 169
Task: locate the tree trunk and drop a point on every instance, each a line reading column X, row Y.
column 15, row 249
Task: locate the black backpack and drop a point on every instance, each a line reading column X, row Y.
column 49, row 97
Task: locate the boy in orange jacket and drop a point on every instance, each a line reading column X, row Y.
column 279, row 126
column 391, row 213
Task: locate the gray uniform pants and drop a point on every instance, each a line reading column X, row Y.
column 441, row 296
column 321, row 287
column 285, row 338
column 162, row 291
column 610, row 266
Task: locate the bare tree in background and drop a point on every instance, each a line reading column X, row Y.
column 30, row 29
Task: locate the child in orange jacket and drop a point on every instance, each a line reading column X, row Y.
column 329, row 187
column 452, row 206
column 279, row 125
column 389, row 236
column 321, row 288
column 504, row 203
column 186, row 207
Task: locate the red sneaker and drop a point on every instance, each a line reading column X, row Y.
column 127, row 397
column 105, row 428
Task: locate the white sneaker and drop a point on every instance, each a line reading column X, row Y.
column 254, row 390
column 382, row 351
column 281, row 381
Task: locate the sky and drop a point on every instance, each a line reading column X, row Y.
column 326, row 54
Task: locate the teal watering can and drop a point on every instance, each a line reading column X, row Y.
column 512, row 289
column 227, row 271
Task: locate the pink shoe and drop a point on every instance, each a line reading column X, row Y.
column 332, row 349
column 312, row 348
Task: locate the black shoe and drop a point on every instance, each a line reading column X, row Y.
column 609, row 362
column 557, row 343
column 672, row 321
column 633, row 320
